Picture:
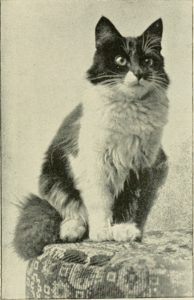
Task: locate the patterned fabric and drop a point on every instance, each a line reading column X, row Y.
column 160, row 266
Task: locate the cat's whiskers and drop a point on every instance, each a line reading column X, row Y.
column 108, row 79
column 109, row 82
column 158, row 73
column 106, row 76
column 158, row 77
column 158, row 80
column 159, row 84
column 113, row 72
column 161, row 79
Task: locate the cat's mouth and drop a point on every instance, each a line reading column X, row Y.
column 135, row 88
column 133, row 81
column 136, row 84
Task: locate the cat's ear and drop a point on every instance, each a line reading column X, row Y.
column 156, row 28
column 152, row 36
column 104, row 31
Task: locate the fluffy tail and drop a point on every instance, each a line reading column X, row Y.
column 38, row 226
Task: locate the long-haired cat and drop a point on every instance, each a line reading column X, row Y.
column 105, row 165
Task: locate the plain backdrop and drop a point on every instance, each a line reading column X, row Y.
column 47, row 46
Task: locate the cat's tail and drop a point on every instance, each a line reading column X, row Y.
column 38, row 225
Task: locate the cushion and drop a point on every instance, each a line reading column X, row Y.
column 160, row 266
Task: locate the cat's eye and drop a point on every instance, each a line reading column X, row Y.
column 148, row 62
column 120, row 61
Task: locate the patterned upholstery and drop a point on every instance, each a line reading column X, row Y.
column 160, row 266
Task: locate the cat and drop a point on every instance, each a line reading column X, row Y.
column 104, row 167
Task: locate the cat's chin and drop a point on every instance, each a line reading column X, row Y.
column 129, row 91
column 137, row 91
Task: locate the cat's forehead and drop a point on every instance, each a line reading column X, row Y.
column 130, row 44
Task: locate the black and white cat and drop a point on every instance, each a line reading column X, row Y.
column 105, row 165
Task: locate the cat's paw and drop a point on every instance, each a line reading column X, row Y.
column 101, row 234
column 72, row 230
column 126, row 232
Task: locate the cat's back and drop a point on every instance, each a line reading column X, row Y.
column 66, row 138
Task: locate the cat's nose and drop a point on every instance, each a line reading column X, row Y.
column 138, row 74
column 130, row 78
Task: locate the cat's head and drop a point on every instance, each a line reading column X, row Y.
column 134, row 64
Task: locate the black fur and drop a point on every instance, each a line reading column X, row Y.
column 136, row 200
column 38, row 225
column 56, row 169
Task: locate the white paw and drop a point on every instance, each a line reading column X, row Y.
column 101, row 234
column 72, row 230
column 125, row 232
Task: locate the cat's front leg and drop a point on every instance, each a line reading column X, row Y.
column 133, row 204
column 124, row 232
column 98, row 202
column 96, row 196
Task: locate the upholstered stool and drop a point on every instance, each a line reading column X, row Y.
column 160, row 266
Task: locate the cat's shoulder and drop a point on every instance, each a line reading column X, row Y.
column 71, row 120
column 74, row 115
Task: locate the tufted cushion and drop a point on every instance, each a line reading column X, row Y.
column 160, row 266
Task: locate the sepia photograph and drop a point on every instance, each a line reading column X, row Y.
column 96, row 135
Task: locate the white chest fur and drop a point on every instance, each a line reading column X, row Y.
column 119, row 132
